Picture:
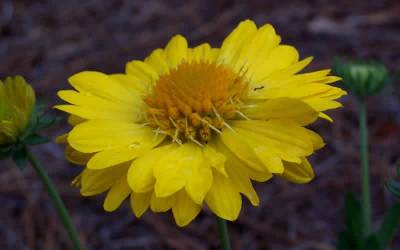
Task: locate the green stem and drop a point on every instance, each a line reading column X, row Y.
column 223, row 233
column 58, row 203
column 366, row 202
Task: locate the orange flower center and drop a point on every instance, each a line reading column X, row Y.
column 194, row 100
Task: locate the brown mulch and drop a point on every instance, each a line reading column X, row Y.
column 48, row 40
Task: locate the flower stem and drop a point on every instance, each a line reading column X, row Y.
column 58, row 203
column 366, row 203
column 223, row 233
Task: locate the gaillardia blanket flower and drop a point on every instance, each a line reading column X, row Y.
column 17, row 100
column 189, row 127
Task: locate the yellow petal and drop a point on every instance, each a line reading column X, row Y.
column 298, row 173
column 293, row 68
column 260, row 176
column 143, row 71
column 109, row 158
column 214, row 158
column 140, row 202
column 316, row 140
column 184, row 209
column 176, row 51
column 323, row 104
column 286, row 139
column 158, row 62
column 310, row 88
column 98, row 135
column 76, row 157
column 232, row 44
column 132, row 83
column 161, row 204
column 303, row 78
column 279, row 58
column 254, row 52
column 265, row 154
column 117, row 194
column 74, row 120
column 223, row 198
column 325, row 116
column 95, row 114
column 282, row 108
column 183, row 166
column 239, row 175
column 94, row 182
column 203, row 53
column 140, row 174
column 241, row 149
column 94, row 107
column 103, row 86
column 199, row 181
column 169, row 172
column 62, row 138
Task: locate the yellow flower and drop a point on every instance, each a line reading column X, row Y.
column 17, row 99
column 193, row 126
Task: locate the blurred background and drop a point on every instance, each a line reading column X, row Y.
column 47, row 41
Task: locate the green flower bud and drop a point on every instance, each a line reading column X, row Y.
column 362, row 78
column 20, row 119
column 17, row 100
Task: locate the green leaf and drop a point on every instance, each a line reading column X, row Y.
column 398, row 170
column 5, row 149
column 31, row 127
column 20, row 157
column 353, row 218
column 45, row 122
column 5, row 152
column 40, row 107
column 371, row 243
column 390, row 223
column 394, row 187
column 35, row 139
column 345, row 242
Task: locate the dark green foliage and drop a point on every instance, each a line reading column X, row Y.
column 353, row 237
column 371, row 243
column 362, row 78
column 394, row 187
column 353, row 219
column 390, row 224
column 17, row 151
column 393, row 184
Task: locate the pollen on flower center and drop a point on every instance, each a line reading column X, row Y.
column 194, row 100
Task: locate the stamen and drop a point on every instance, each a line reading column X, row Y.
column 195, row 141
column 210, row 125
column 175, row 137
column 156, row 120
column 242, row 115
column 173, row 122
column 229, row 127
column 159, row 131
column 216, row 112
column 196, row 98
column 249, row 106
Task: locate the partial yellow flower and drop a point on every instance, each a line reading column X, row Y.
column 17, row 100
column 189, row 127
